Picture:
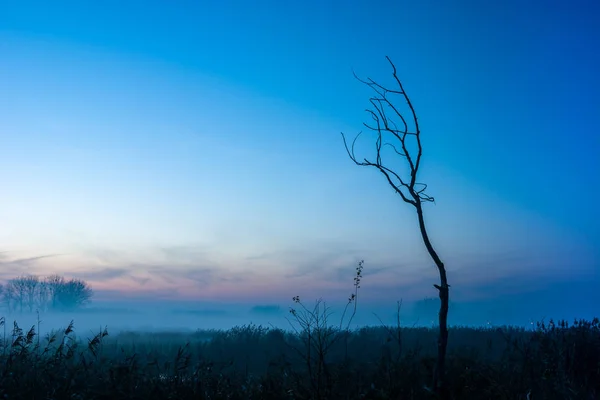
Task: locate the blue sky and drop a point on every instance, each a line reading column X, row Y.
column 193, row 150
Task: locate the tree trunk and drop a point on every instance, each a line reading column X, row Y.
column 439, row 382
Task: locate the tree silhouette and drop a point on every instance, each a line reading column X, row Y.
column 14, row 294
column 403, row 140
column 30, row 292
column 53, row 283
column 71, row 294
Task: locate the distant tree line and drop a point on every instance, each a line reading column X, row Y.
column 29, row 293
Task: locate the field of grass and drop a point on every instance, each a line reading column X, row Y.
column 553, row 361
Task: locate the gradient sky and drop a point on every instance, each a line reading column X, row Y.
column 192, row 150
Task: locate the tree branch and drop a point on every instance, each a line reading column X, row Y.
column 384, row 125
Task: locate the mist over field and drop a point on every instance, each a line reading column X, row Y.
column 148, row 315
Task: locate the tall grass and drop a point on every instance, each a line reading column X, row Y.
column 554, row 361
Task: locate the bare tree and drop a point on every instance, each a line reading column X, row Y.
column 400, row 137
column 14, row 294
column 43, row 295
column 71, row 294
column 30, row 285
column 8, row 296
column 53, row 282
column 28, row 293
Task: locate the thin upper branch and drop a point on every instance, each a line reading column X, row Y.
column 383, row 113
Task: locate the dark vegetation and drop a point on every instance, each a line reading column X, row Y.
column 554, row 361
